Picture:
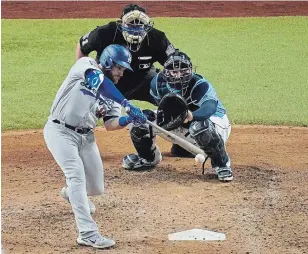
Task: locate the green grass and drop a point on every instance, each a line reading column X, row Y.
column 257, row 65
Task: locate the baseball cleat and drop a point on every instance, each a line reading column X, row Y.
column 65, row 196
column 224, row 174
column 96, row 241
column 134, row 162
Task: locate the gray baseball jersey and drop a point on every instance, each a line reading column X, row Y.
column 76, row 103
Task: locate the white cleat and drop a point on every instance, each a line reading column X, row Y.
column 65, row 196
column 224, row 174
column 134, row 162
column 96, row 241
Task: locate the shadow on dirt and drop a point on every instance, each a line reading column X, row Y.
column 249, row 176
column 258, row 177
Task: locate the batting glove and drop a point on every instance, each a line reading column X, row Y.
column 134, row 112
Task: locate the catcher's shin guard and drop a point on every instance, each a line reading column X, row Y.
column 211, row 142
column 143, row 140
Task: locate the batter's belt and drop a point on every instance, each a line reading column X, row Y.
column 77, row 129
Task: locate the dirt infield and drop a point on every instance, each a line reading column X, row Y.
column 105, row 9
column 264, row 210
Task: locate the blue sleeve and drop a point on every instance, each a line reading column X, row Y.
column 102, row 85
column 204, row 96
column 124, row 120
column 207, row 109
column 203, row 91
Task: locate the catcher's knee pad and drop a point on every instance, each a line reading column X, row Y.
column 210, row 141
column 144, row 130
column 202, row 132
column 141, row 131
column 143, row 140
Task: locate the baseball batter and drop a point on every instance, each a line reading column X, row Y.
column 87, row 94
column 206, row 125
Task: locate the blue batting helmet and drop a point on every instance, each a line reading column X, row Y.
column 116, row 54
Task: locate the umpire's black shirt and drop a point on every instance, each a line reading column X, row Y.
column 154, row 48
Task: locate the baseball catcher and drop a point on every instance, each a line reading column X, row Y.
column 188, row 106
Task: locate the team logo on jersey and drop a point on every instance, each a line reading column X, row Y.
column 144, row 66
column 144, row 62
column 94, row 79
column 105, row 101
column 89, row 90
column 102, row 100
column 95, row 82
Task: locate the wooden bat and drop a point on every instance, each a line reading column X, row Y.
column 177, row 140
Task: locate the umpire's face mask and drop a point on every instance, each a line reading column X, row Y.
column 134, row 27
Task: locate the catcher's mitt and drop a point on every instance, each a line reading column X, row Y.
column 172, row 111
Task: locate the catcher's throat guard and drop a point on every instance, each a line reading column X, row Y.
column 172, row 111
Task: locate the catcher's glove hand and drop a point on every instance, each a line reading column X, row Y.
column 172, row 111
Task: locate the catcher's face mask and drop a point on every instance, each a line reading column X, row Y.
column 178, row 72
column 134, row 26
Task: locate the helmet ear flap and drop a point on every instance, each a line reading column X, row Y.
column 109, row 63
column 106, row 62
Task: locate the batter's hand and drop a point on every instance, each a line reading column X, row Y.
column 134, row 112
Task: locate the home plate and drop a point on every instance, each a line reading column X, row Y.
column 197, row 235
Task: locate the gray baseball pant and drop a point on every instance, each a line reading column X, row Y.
column 79, row 158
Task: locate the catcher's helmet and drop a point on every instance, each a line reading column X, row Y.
column 134, row 25
column 178, row 72
column 115, row 54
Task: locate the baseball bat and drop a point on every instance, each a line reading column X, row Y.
column 177, row 140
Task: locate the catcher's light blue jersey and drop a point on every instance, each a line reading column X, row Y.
column 199, row 91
